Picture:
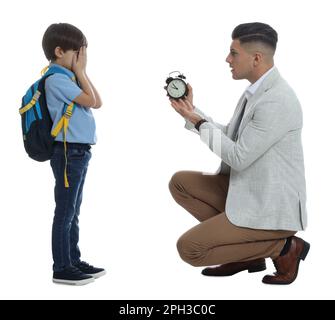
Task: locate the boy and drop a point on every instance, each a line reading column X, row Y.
column 65, row 46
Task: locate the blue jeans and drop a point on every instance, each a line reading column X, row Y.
column 65, row 229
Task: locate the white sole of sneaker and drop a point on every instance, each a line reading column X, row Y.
column 97, row 275
column 72, row 282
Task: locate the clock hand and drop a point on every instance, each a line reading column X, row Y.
column 174, row 87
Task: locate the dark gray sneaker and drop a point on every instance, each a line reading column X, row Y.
column 72, row 276
column 90, row 270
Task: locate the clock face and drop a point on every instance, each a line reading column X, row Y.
column 176, row 88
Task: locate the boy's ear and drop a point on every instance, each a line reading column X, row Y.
column 59, row 52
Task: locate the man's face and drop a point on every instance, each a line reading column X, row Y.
column 241, row 61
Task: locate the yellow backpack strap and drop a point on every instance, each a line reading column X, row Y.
column 35, row 97
column 63, row 123
column 44, row 70
column 64, row 120
column 31, row 103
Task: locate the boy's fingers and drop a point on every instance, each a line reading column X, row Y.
column 74, row 58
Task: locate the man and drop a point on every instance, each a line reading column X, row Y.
column 251, row 209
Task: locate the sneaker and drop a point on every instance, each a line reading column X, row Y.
column 72, row 276
column 90, row 270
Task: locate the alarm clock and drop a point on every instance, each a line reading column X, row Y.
column 176, row 86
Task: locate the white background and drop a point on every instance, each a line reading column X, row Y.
column 129, row 221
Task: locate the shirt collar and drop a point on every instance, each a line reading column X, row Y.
column 67, row 71
column 250, row 91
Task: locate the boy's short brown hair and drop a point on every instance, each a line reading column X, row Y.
column 63, row 35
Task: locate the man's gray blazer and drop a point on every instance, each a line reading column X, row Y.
column 267, row 187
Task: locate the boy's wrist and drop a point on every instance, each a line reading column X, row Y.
column 80, row 72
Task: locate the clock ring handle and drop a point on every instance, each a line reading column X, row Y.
column 180, row 75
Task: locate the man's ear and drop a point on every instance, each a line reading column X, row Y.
column 59, row 52
column 258, row 58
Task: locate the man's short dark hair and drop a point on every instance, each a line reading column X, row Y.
column 63, row 35
column 256, row 32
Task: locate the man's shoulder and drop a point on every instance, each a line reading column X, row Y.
column 280, row 100
column 280, row 91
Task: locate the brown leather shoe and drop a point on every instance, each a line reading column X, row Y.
column 230, row 269
column 287, row 266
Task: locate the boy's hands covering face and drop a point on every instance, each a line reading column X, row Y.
column 79, row 60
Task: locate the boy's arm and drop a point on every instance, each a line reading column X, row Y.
column 98, row 101
column 87, row 97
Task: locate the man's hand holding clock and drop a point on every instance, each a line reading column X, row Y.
column 185, row 106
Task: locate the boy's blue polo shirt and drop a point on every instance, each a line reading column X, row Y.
column 61, row 89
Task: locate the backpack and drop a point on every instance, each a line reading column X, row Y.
column 38, row 136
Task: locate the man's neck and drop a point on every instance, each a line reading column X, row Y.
column 259, row 73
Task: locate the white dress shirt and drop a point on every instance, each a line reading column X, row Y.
column 251, row 89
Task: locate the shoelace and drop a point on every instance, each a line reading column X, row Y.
column 85, row 267
column 75, row 271
column 85, row 264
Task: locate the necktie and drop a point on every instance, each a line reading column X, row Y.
column 238, row 122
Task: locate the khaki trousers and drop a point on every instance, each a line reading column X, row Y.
column 216, row 240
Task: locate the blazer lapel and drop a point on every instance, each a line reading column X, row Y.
column 233, row 121
column 268, row 82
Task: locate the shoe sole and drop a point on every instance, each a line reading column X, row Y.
column 258, row 268
column 302, row 256
column 253, row 269
column 73, row 282
column 97, row 275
